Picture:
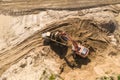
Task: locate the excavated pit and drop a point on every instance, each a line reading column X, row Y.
column 24, row 55
column 87, row 32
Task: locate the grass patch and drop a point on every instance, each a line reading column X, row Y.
column 118, row 77
column 105, row 78
column 52, row 77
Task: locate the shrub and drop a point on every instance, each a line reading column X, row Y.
column 118, row 77
column 52, row 77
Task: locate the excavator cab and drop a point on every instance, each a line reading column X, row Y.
column 81, row 50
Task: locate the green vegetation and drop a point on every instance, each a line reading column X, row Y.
column 52, row 77
column 105, row 78
column 118, row 77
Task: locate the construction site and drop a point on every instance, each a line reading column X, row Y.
column 59, row 40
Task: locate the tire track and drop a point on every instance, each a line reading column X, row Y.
column 15, row 54
column 32, row 6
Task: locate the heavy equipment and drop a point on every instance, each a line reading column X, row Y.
column 62, row 38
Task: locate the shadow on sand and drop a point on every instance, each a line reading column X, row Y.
column 62, row 51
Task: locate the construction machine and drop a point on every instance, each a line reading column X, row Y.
column 62, row 38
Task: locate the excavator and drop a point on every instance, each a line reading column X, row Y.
column 62, row 38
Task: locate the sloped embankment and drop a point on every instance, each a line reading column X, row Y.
column 87, row 32
column 94, row 29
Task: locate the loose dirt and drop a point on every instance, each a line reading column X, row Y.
column 85, row 31
column 97, row 29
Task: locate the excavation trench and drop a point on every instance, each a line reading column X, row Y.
column 88, row 33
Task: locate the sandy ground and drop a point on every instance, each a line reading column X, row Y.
column 53, row 4
column 23, row 56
